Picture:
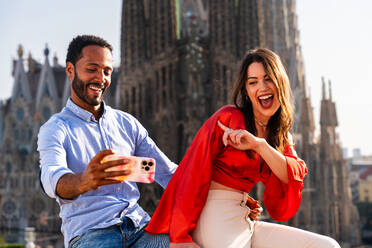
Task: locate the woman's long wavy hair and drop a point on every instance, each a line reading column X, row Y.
column 281, row 122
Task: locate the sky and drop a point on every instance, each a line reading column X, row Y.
column 336, row 41
column 335, row 37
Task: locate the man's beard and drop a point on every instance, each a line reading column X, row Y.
column 81, row 90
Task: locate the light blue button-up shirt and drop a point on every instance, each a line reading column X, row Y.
column 70, row 139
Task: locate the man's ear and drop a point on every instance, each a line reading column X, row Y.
column 70, row 71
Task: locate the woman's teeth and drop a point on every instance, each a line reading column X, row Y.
column 264, row 97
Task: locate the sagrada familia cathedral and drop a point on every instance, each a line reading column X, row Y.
column 179, row 59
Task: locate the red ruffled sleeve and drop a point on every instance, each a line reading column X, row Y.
column 185, row 196
column 283, row 200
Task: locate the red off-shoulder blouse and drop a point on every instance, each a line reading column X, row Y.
column 208, row 159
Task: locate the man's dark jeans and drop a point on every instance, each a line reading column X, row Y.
column 118, row 236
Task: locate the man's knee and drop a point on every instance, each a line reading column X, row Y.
column 152, row 241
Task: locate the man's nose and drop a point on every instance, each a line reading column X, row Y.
column 100, row 76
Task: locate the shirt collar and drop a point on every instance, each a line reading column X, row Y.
column 82, row 113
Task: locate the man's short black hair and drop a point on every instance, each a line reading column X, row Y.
column 79, row 42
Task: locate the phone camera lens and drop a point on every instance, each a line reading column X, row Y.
column 151, row 163
column 144, row 162
column 147, row 168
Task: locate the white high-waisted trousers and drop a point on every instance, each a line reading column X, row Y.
column 224, row 223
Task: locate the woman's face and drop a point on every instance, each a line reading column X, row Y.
column 262, row 92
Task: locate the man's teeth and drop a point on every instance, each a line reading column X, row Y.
column 95, row 87
column 265, row 97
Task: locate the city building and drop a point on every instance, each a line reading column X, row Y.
column 360, row 178
column 179, row 59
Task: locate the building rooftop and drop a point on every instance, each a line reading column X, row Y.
column 364, row 175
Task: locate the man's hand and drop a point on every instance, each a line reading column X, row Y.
column 255, row 207
column 70, row 186
column 95, row 174
column 183, row 245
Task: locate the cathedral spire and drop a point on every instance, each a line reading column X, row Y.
column 323, row 89
column 46, row 50
column 30, row 62
column 21, row 83
column 330, row 90
column 46, row 54
column 20, row 51
column 55, row 60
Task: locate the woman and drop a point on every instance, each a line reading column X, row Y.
column 204, row 205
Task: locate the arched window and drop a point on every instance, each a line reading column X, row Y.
column 224, row 82
column 8, row 168
column 126, row 100
column 148, row 99
column 171, row 81
column 155, row 21
column 133, row 107
column 217, row 81
column 180, row 136
column 20, row 114
column 157, row 91
column 170, row 24
column 164, row 86
column 3, row 222
column 15, row 222
column 17, row 134
column 46, row 113
column 23, row 134
column 140, row 105
column 29, row 134
column 46, row 90
column 223, row 28
column 162, row 24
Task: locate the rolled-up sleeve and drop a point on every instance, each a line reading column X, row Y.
column 53, row 162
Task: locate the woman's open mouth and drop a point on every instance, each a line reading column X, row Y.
column 266, row 101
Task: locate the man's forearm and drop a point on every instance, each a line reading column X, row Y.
column 69, row 186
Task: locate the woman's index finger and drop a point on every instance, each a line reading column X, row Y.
column 222, row 126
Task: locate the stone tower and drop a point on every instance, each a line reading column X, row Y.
column 147, row 84
column 339, row 217
column 148, row 67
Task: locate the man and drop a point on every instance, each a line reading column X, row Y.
column 96, row 210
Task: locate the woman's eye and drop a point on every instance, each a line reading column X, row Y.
column 268, row 80
column 91, row 70
column 252, row 82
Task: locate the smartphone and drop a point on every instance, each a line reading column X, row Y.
column 143, row 169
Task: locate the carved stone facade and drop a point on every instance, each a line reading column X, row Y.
column 211, row 38
column 179, row 59
column 36, row 95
